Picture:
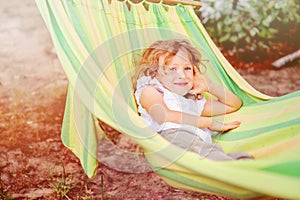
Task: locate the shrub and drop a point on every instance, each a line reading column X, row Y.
column 243, row 25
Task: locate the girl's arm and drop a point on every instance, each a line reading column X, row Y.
column 152, row 101
column 226, row 101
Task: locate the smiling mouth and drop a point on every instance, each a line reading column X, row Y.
column 180, row 84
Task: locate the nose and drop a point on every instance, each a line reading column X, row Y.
column 181, row 73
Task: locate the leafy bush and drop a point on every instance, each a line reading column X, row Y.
column 243, row 25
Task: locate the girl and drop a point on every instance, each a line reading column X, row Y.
column 169, row 91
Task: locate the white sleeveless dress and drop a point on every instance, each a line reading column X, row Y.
column 174, row 102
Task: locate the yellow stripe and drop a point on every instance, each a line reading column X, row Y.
column 286, row 145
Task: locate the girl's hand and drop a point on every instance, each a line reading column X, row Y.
column 220, row 127
column 200, row 83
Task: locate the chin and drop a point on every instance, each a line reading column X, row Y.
column 181, row 93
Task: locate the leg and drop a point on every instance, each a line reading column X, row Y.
column 191, row 142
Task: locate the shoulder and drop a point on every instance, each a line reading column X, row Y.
column 151, row 92
column 151, row 96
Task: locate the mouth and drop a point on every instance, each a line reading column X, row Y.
column 181, row 84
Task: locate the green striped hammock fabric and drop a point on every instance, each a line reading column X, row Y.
column 97, row 43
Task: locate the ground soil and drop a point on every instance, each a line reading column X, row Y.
column 34, row 164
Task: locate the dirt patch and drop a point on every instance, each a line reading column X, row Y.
column 34, row 164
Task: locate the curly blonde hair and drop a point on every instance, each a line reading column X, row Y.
column 149, row 63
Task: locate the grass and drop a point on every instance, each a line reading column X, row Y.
column 4, row 194
column 63, row 185
column 102, row 188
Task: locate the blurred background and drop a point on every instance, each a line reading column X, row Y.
column 253, row 31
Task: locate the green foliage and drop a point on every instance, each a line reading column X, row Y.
column 242, row 25
column 63, row 185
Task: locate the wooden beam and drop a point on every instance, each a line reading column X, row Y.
column 196, row 4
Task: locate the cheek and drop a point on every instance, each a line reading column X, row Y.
column 191, row 76
column 163, row 79
column 167, row 76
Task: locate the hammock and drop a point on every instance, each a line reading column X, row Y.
column 97, row 42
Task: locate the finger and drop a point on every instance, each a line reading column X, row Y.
column 197, row 91
column 233, row 125
column 236, row 123
column 194, row 91
column 228, row 127
column 196, row 70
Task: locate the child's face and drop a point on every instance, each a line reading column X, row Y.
column 178, row 75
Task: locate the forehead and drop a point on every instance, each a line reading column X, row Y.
column 181, row 57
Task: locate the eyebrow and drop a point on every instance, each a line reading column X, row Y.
column 185, row 65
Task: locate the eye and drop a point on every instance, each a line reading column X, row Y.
column 172, row 69
column 187, row 68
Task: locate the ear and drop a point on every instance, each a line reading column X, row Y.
column 161, row 60
column 160, row 70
